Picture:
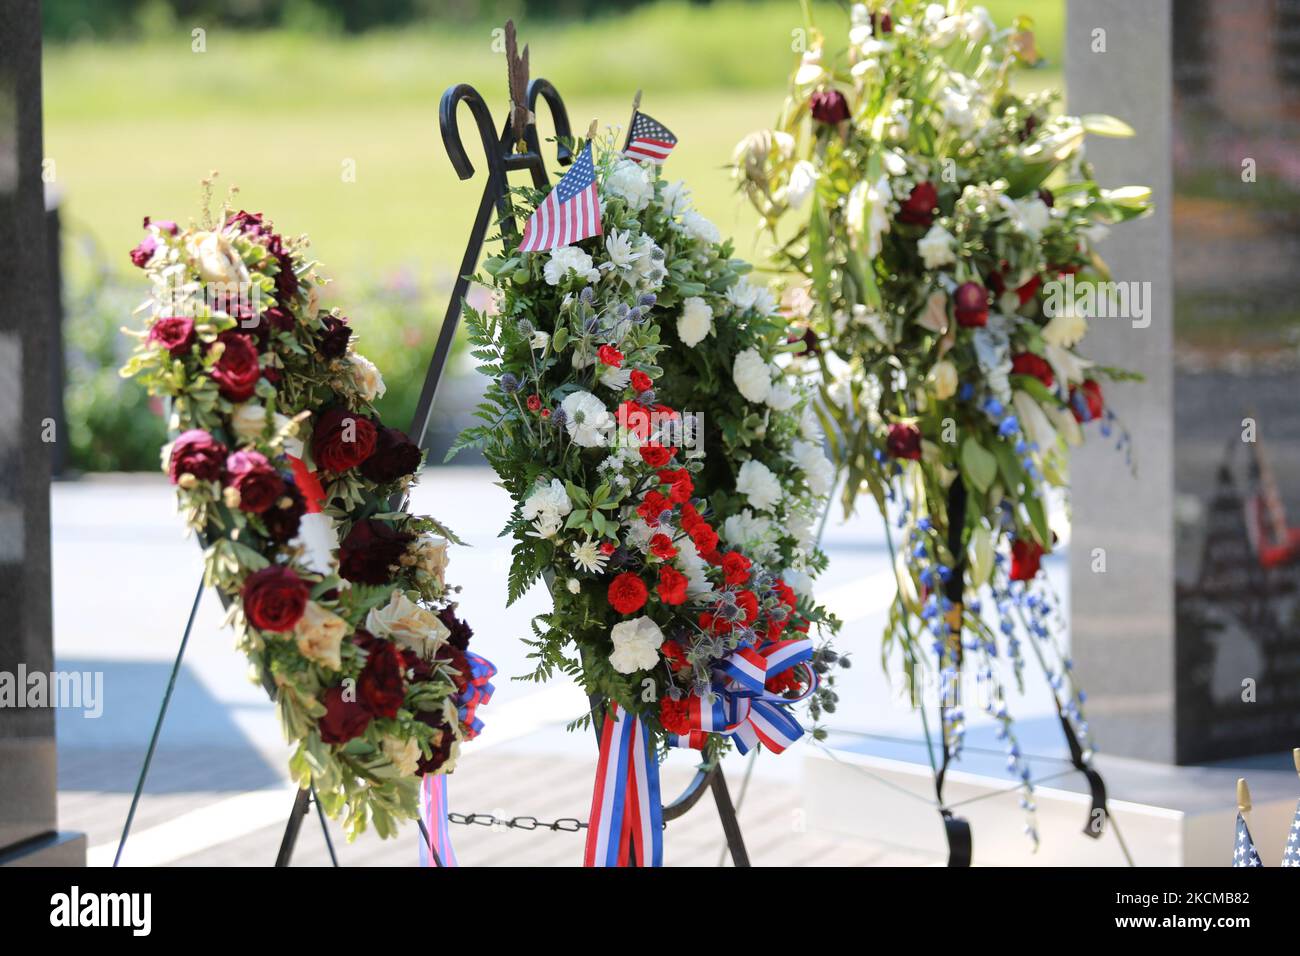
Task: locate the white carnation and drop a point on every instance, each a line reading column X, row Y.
column 781, row 397
column 698, row 227
column 745, row 295
column 568, row 259
column 752, row 375
column 546, row 507
column 759, row 485
column 587, row 419
column 631, row 181
column 695, row 322
column 817, row 468
column 636, row 645
column 937, row 247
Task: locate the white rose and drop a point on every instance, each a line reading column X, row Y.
column 695, row 322
column 803, row 180
column 752, row 375
column 367, row 378
column 631, row 181
column 408, row 625
column 699, row 227
column 568, row 259
column 319, row 634
column 248, row 421
column 402, row 754
column 215, row 258
column 937, row 247
column 943, row 379
column 636, row 645
column 756, row 481
column 587, row 419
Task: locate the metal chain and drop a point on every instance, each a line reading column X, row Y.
column 564, row 824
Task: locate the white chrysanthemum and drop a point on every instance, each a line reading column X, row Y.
column 745, row 295
column 549, row 502
column 587, row 419
column 752, row 375
column 695, row 568
column 803, row 180
column 566, row 260
column 631, row 181
column 636, row 645
column 759, row 485
column 937, row 247
column 616, row 378
column 695, row 322
column 818, row 471
column 587, row 557
column 622, row 253
column 800, row 525
column 781, row 397
column 749, row 531
column 677, row 199
column 366, row 377
column 699, row 227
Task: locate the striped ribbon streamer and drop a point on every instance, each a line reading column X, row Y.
column 433, row 810
column 626, row 809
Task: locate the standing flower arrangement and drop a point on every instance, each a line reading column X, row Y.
column 946, row 228
column 271, row 409
column 693, row 638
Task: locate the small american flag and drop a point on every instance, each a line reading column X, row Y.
column 571, row 212
column 1291, row 855
column 1244, row 853
column 649, row 139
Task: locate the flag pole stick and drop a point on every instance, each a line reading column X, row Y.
column 1295, row 758
column 636, row 105
column 1243, row 798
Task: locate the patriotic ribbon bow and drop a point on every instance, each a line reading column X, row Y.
column 433, row 786
column 741, row 706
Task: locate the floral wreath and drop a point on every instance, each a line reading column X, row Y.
column 277, row 441
column 941, row 227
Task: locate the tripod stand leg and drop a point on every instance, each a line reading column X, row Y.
column 324, row 827
column 301, row 805
column 727, row 814
column 157, row 727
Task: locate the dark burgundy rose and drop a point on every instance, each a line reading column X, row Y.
column 395, row 456
column 439, row 745
column 142, row 253
column 197, row 453
column 237, row 371
column 279, row 319
column 971, row 303
column 830, row 107
column 258, row 483
column 456, row 658
column 460, row 631
column 381, row 688
column 1027, row 363
column 282, row 522
column 369, row 550
column 286, row 282
column 333, row 337
column 420, row 669
column 1086, row 402
column 918, row 208
column 274, row 598
column 342, row 439
column 904, row 441
column 1046, row 196
column 175, row 333
column 881, row 23
column 344, row 719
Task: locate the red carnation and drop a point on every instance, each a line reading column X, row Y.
column 634, row 418
column 904, row 441
column 381, row 688
column 175, row 333
column 676, row 657
column 971, row 302
column 661, row 546
column 1025, row 558
column 342, row 440
column 689, row 517
column 236, row 372
column 747, row 601
column 274, row 598
column 258, row 483
column 627, row 593
column 680, row 485
column 829, row 107
column 607, row 548
column 675, row 715
column 704, row 538
column 713, row 624
column 652, row 506
column 641, row 381
column 672, row 585
column 1086, row 402
column 1027, row 363
column 343, row 720
column 196, row 453
column 918, row 208
column 610, row 355
column 735, row 567
column 656, row 455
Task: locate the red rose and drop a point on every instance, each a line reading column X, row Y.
column 656, row 455
column 274, row 598
column 627, row 593
column 381, row 688
column 641, row 381
column 343, row 720
column 609, row 355
column 675, row 715
column 258, row 483
column 142, row 253
column 236, row 372
column 175, row 333
column 735, row 567
column 196, row 453
column 747, row 601
column 1025, row 558
column 607, row 548
column 342, row 440
column 904, row 441
column 918, row 208
column 704, row 538
column 680, row 486
column 672, row 586
column 1027, row 363
column 971, row 302
column 829, row 107
column 661, row 546
column 1086, row 402
column 395, row 456
column 282, row 522
column 370, row 549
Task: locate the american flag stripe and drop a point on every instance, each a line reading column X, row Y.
column 571, row 212
column 649, row 139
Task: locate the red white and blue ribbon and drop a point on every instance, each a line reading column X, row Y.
column 742, row 708
column 433, row 787
column 626, row 823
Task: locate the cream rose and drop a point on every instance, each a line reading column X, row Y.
column 319, row 634
column 408, row 625
column 943, row 379
column 215, row 258
column 431, row 557
column 366, row 377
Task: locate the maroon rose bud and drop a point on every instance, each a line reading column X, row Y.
column 279, row 319
column 1027, row 363
column 1085, row 401
column 281, row 521
column 971, row 303
column 237, row 371
column 1046, row 196
column 830, row 107
column 904, row 441
column 175, row 333
column 881, row 23
column 258, row 483
column 381, row 688
column 332, row 341
column 1025, row 559
column 286, row 282
column 440, row 744
column 460, row 631
column 395, row 456
column 142, row 253
column 274, row 598
column 196, row 453
column 342, row 439
column 370, row 550
column 344, row 719
column 918, row 208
